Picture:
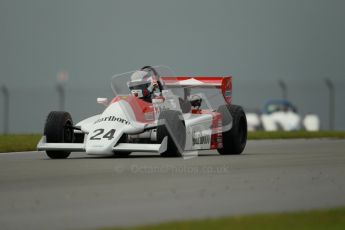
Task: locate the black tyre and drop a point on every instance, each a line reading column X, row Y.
column 171, row 124
column 58, row 130
column 234, row 139
column 123, row 139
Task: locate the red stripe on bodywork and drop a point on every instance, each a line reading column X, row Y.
column 216, row 136
column 143, row 110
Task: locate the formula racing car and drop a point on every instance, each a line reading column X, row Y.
column 153, row 111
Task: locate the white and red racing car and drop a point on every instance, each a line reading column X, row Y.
column 153, row 111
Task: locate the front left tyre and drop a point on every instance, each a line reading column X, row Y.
column 58, row 129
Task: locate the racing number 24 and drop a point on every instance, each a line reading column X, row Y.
column 109, row 135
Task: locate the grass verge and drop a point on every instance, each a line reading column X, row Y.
column 259, row 135
column 333, row 219
column 17, row 143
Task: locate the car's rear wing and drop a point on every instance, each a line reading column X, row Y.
column 222, row 83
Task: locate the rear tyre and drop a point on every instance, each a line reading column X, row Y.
column 234, row 139
column 171, row 124
column 58, row 129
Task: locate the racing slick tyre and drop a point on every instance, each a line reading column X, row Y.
column 171, row 124
column 234, row 139
column 58, row 130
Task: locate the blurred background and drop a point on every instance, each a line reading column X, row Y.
column 61, row 54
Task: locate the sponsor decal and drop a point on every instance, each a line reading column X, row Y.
column 200, row 139
column 113, row 118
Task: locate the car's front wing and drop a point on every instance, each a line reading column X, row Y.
column 124, row 147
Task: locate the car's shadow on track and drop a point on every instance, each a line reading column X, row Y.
column 91, row 157
column 138, row 155
column 135, row 156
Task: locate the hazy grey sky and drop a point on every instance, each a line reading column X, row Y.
column 257, row 41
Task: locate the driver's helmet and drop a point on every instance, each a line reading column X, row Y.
column 141, row 85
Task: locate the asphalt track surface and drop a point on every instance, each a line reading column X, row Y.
column 86, row 192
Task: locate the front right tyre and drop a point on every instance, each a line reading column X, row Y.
column 58, row 129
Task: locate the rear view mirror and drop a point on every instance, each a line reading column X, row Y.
column 103, row 100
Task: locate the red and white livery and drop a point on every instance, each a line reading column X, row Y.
column 154, row 111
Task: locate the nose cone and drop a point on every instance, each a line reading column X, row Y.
column 108, row 129
column 102, row 140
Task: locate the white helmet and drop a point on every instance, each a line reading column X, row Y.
column 141, row 84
